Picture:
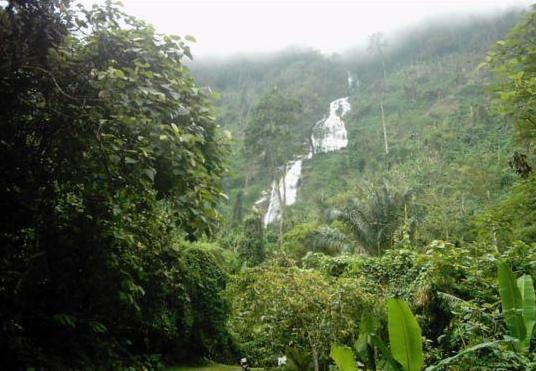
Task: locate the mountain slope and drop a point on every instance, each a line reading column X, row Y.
column 445, row 143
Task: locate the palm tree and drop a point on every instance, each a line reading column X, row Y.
column 374, row 220
column 330, row 241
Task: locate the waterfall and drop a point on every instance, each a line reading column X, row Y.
column 328, row 135
column 288, row 190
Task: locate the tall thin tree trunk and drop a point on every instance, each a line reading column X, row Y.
column 384, row 83
column 384, row 127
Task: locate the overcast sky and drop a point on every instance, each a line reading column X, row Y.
column 224, row 27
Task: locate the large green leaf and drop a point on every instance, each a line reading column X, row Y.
column 404, row 335
column 367, row 326
column 511, row 302
column 299, row 360
column 387, row 355
column 526, row 289
column 364, row 345
column 344, row 357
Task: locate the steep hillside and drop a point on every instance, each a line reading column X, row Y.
column 445, row 145
column 381, row 210
column 241, row 80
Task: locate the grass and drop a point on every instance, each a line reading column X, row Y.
column 210, row 367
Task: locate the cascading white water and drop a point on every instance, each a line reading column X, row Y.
column 328, row 135
column 288, row 190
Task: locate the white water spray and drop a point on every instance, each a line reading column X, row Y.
column 328, row 135
column 288, row 190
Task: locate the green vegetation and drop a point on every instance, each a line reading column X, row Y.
column 111, row 161
column 518, row 305
column 414, row 248
column 404, row 335
column 405, row 341
column 343, row 357
column 211, row 367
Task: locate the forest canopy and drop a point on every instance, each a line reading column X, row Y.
column 136, row 183
column 111, row 160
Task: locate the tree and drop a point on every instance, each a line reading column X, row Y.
column 110, row 155
column 514, row 61
column 276, row 308
column 251, row 245
column 375, row 219
column 237, row 208
column 273, row 139
column 376, row 47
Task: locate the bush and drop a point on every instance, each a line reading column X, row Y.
column 274, row 308
column 111, row 157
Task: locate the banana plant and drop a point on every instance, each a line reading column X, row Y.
column 364, row 346
column 404, row 335
column 344, row 357
column 298, row 360
column 405, row 353
column 518, row 305
column 519, row 310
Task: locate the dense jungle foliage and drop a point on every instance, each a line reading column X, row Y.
column 131, row 236
column 111, row 163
